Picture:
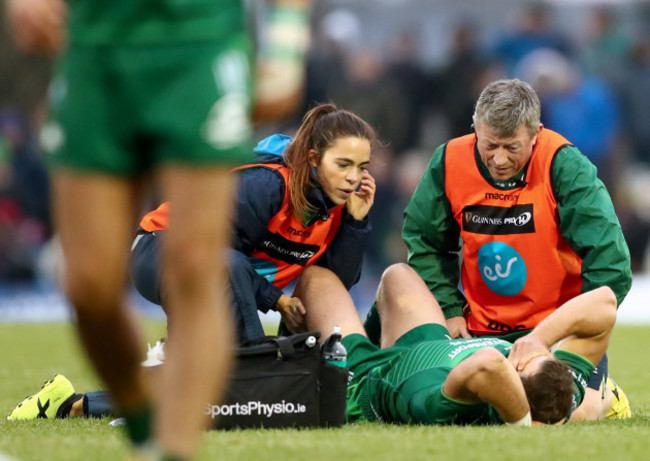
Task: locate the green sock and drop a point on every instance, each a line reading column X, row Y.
column 139, row 425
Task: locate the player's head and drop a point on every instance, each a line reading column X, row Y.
column 549, row 389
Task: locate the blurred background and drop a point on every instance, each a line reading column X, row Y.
column 413, row 69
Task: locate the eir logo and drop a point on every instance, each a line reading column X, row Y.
column 502, row 268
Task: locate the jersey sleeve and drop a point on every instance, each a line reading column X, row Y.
column 581, row 369
column 432, row 237
column 589, row 223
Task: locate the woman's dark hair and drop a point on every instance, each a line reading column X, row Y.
column 550, row 392
column 321, row 127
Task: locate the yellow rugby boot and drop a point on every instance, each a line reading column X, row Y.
column 620, row 408
column 46, row 402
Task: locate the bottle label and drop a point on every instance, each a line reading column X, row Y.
column 337, row 363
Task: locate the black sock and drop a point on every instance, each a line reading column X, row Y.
column 372, row 325
column 66, row 406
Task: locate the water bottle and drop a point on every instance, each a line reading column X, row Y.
column 334, row 351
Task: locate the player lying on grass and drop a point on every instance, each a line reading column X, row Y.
column 422, row 376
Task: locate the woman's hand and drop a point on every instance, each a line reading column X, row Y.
column 293, row 313
column 359, row 203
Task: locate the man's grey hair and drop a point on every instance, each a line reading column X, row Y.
column 505, row 105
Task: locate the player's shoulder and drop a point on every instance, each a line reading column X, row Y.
column 574, row 360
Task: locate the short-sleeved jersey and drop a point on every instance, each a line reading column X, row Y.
column 404, row 384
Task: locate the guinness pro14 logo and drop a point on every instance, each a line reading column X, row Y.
column 497, row 220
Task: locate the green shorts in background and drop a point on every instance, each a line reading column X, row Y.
column 122, row 110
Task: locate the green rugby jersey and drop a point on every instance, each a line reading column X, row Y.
column 442, row 353
column 424, row 368
column 133, row 22
column 581, row 369
column 409, row 389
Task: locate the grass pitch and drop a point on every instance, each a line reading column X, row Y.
column 32, row 353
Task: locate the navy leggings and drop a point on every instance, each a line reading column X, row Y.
column 146, row 274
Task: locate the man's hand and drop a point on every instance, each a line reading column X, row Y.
column 359, row 203
column 458, row 327
column 293, row 313
column 38, row 26
column 525, row 349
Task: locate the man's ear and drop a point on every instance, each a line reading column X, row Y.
column 314, row 158
column 539, row 130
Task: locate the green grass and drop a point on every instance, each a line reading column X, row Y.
column 31, row 353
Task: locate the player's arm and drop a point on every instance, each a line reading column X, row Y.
column 38, row 26
column 487, row 376
column 582, row 325
column 281, row 63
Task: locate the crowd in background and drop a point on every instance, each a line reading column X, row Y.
column 594, row 85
